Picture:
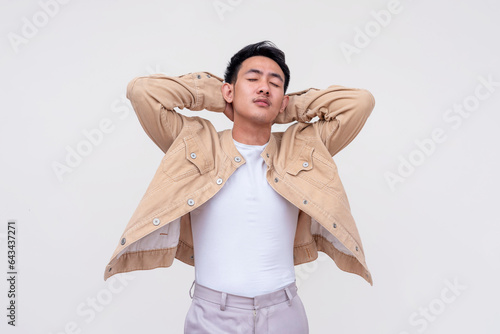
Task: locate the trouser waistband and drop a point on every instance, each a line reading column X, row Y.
column 281, row 295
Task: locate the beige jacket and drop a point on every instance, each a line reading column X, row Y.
column 198, row 160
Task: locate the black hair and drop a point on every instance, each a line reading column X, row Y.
column 264, row 48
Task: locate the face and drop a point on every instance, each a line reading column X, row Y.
column 257, row 95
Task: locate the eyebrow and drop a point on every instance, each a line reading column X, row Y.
column 254, row 70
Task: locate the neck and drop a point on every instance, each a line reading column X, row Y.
column 251, row 135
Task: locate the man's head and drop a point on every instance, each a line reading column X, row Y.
column 264, row 48
column 256, row 81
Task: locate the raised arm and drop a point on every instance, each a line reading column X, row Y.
column 155, row 97
column 342, row 113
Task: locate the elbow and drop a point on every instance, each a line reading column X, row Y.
column 135, row 88
column 368, row 100
column 365, row 102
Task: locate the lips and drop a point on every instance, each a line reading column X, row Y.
column 262, row 102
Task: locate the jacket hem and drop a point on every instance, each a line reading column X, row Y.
column 347, row 263
column 141, row 260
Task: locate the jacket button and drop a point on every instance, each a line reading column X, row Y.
column 267, row 155
column 198, row 76
column 123, row 241
column 209, row 76
column 193, row 155
column 334, row 225
column 190, row 202
column 219, row 181
column 305, row 164
column 156, row 222
column 305, row 201
column 192, row 257
column 276, row 179
column 237, row 159
column 357, row 249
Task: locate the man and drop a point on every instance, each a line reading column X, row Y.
column 246, row 203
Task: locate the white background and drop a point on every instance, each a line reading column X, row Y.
column 439, row 225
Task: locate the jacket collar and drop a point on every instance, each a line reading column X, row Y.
column 231, row 151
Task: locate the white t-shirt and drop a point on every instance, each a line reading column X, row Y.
column 243, row 236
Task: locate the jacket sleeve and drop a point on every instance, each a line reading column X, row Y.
column 155, row 97
column 342, row 112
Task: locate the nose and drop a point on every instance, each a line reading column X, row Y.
column 263, row 87
column 264, row 91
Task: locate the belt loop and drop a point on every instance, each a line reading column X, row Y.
column 289, row 295
column 223, row 301
column 190, row 289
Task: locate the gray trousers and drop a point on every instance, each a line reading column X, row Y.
column 216, row 312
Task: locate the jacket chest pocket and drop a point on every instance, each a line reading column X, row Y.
column 312, row 167
column 187, row 159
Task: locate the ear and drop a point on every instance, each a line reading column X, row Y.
column 227, row 92
column 284, row 103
